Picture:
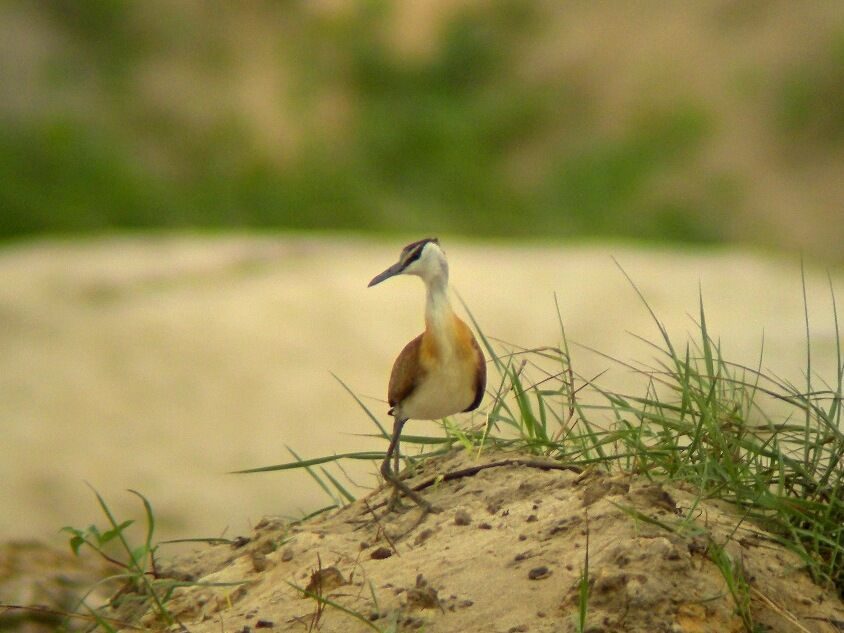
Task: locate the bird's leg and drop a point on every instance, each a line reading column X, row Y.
column 395, row 501
column 392, row 477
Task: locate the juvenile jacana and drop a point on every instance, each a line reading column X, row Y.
column 440, row 372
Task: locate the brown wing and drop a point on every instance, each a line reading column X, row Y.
column 406, row 373
column 480, row 376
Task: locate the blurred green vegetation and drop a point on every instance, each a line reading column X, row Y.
column 462, row 139
column 812, row 98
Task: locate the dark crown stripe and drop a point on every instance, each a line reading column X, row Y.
column 414, row 250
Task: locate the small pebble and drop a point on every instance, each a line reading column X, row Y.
column 381, row 553
column 484, row 526
column 287, row 554
column 325, row 580
column 532, row 518
column 461, row 517
column 423, row 536
column 422, row 596
column 259, row 561
column 539, row 573
column 264, row 624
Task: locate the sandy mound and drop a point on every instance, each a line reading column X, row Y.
column 505, row 555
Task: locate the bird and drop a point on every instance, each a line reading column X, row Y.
column 440, row 372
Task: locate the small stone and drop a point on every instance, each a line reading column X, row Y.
column 532, row 518
column 461, row 517
column 484, row 526
column 465, row 604
column 287, row 554
column 522, row 628
column 423, row 536
column 264, row 624
column 325, row 580
column 259, row 561
column 240, row 541
column 610, row 582
column 422, row 596
column 381, row 553
column 539, row 573
column 522, row 537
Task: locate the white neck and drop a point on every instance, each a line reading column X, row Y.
column 439, row 317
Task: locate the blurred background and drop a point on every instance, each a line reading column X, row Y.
column 707, row 122
column 193, row 196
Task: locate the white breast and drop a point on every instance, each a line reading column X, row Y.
column 448, row 388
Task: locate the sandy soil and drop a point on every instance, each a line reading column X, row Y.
column 505, row 555
column 160, row 364
column 49, row 583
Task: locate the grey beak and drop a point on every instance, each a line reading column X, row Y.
column 395, row 269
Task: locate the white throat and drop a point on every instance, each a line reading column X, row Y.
column 432, row 268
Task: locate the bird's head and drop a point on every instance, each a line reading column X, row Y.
column 424, row 259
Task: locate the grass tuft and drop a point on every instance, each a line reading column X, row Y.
column 143, row 587
column 731, row 432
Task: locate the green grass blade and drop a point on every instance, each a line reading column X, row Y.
column 363, row 406
column 340, row 488
column 304, row 463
